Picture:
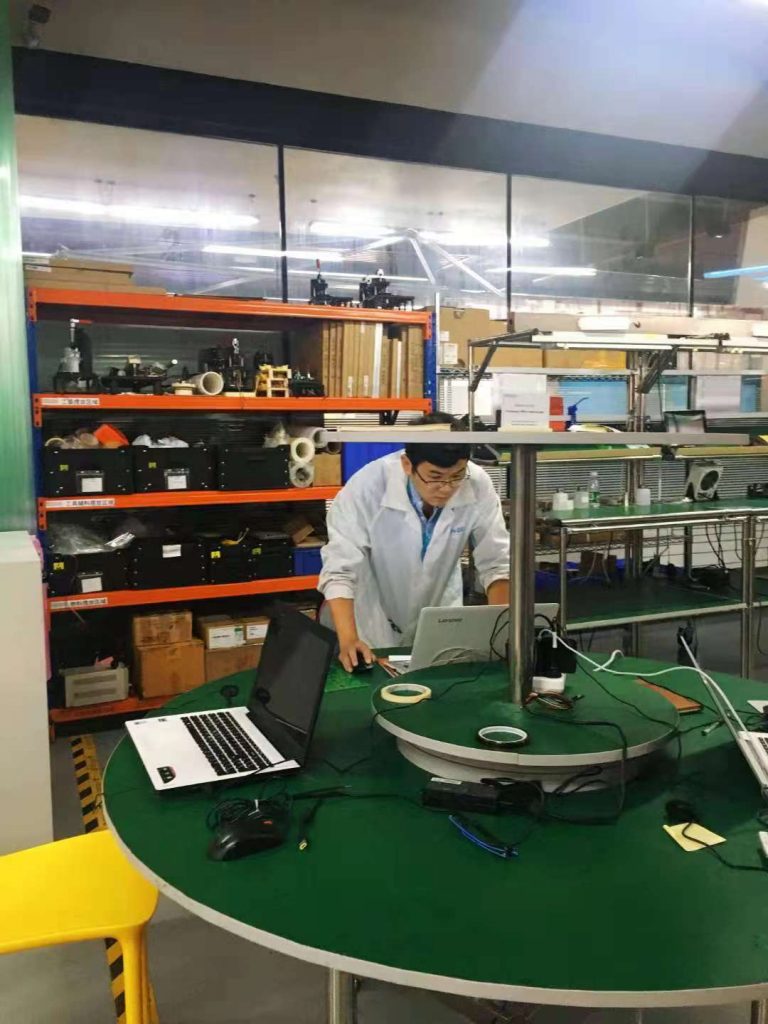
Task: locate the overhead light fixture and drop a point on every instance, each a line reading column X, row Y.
column 333, row 274
column 37, row 255
column 735, row 272
column 546, row 271
column 487, row 239
column 604, row 323
column 140, row 214
column 746, row 345
column 329, row 255
column 344, row 229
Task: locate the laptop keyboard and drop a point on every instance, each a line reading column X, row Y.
column 227, row 746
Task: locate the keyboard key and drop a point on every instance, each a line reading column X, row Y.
column 225, row 744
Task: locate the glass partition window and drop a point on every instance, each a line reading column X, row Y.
column 731, row 258
column 608, row 250
column 186, row 214
column 428, row 229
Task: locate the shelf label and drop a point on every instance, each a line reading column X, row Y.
column 69, row 401
column 53, row 503
column 79, row 602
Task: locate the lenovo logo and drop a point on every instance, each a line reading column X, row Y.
column 443, row 621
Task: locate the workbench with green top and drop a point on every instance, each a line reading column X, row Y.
column 611, row 915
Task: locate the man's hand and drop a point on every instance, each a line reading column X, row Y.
column 352, row 650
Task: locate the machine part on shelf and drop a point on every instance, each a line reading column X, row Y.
column 183, row 387
column 687, row 633
column 304, row 385
column 757, row 491
column 208, row 383
column 136, row 377
column 703, row 479
column 301, row 475
column 374, row 294
column 230, row 363
column 573, row 412
column 302, row 450
column 320, row 296
column 75, row 371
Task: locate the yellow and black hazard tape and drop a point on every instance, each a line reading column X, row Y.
column 88, row 781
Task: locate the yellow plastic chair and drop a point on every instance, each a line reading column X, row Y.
column 74, row 890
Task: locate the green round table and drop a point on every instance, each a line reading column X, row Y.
column 612, row 915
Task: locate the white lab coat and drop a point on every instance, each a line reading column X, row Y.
column 373, row 554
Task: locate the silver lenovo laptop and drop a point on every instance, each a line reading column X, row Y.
column 466, row 633
column 753, row 745
column 271, row 734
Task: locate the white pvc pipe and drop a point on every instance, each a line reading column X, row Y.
column 209, row 383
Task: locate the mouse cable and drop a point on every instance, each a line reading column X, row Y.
column 718, row 856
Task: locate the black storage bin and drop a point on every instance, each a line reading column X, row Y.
column 272, row 555
column 89, row 573
column 173, row 469
column 162, row 562
column 231, row 563
column 69, row 472
column 252, row 469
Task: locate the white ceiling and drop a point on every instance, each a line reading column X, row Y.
column 678, row 71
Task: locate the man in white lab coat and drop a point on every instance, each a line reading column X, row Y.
column 396, row 533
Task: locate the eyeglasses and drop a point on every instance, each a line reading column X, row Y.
column 448, row 482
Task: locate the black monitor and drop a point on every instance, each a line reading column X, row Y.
column 686, row 421
column 290, row 680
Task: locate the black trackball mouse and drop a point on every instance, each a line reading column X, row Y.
column 362, row 667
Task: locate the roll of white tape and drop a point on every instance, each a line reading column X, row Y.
column 405, row 693
column 302, row 450
column 316, row 435
column 333, row 447
column 301, row 475
column 643, row 496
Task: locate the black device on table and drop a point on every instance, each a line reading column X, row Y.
column 272, row 734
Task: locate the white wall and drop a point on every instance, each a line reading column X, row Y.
column 678, row 71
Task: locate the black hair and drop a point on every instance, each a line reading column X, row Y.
column 442, row 455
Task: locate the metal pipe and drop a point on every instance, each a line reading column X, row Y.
column 341, row 998
column 563, row 613
column 747, row 594
column 470, row 391
column 522, row 568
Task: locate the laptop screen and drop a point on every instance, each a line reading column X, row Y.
column 290, row 680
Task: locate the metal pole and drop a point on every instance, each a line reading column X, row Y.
column 341, row 998
column 757, row 1012
column 563, row 613
column 470, row 392
column 522, row 568
column 747, row 593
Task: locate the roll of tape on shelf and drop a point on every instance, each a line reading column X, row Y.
column 302, row 450
column 643, row 496
column 209, row 383
column 54, row 442
column 301, row 475
column 405, row 693
column 316, row 435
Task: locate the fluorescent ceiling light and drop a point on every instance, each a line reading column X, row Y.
column 37, row 255
column 633, row 346
column 480, row 238
column 293, row 254
column 546, row 271
column 344, row 229
column 333, row 274
column 760, row 330
column 736, row 272
column 604, row 323
column 746, row 345
column 140, row 214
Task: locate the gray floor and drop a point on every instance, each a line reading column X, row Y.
column 203, row 975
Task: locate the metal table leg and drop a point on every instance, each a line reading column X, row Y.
column 522, row 569
column 747, row 594
column 341, row 998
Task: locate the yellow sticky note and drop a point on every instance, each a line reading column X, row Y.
column 696, row 836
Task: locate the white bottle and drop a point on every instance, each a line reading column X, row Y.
column 594, row 488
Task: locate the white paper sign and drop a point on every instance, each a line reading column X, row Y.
column 90, row 584
column 91, row 484
column 171, row 550
column 176, row 481
column 524, row 400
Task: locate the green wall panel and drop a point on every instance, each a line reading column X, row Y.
column 16, row 502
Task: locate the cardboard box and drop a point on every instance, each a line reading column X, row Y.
column 327, row 471
column 219, row 664
column 299, row 528
column 254, row 628
column 586, row 358
column 163, row 670
column 221, row 634
column 162, row 628
column 459, row 326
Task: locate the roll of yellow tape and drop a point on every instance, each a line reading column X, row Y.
column 405, row 693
